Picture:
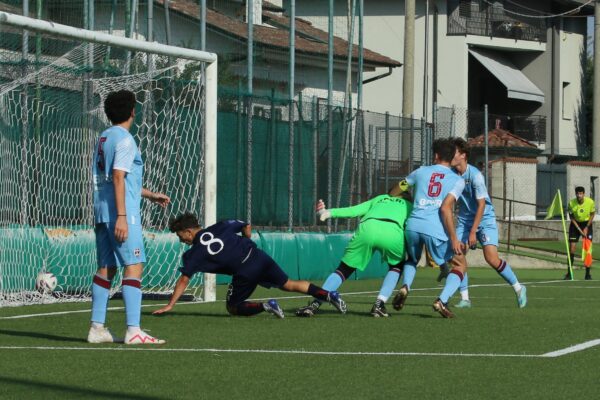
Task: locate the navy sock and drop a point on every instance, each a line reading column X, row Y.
column 317, row 292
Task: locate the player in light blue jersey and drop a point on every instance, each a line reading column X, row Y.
column 477, row 223
column 117, row 176
column 431, row 223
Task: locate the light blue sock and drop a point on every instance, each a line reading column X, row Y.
column 507, row 273
column 333, row 282
column 464, row 284
column 408, row 276
column 452, row 284
column 100, row 295
column 132, row 297
column 389, row 283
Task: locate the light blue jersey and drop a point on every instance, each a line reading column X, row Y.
column 116, row 149
column 431, row 185
column 474, row 190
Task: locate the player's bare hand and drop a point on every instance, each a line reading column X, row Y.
column 585, row 231
column 458, row 247
column 320, row 205
column 121, row 229
column 161, row 199
column 472, row 240
column 163, row 310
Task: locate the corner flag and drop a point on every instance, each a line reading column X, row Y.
column 586, row 252
column 555, row 207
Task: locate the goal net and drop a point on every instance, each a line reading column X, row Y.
column 53, row 82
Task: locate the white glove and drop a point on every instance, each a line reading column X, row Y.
column 322, row 212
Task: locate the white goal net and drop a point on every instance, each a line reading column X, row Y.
column 53, row 82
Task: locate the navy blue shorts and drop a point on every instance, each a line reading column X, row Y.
column 259, row 269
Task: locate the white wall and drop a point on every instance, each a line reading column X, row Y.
column 514, row 181
column 581, row 175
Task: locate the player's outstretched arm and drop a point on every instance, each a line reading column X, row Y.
column 159, row 198
column 180, row 286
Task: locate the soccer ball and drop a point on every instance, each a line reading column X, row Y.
column 45, row 282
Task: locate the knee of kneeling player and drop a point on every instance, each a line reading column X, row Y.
column 231, row 308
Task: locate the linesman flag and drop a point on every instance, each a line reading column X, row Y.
column 586, row 252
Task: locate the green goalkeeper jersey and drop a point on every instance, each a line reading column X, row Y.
column 383, row 207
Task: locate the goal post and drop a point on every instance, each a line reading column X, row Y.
column 53, row 81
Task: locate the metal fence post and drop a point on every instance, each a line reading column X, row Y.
column 486, row 140
column 387, row 149
column 411, row 149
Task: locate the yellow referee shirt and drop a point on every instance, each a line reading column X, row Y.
column 582, row 212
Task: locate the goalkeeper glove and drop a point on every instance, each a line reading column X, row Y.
column 322, row 212
column 404, row 186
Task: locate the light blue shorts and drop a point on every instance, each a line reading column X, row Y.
column 440, row 250
column 487, row 233
column 114, row 254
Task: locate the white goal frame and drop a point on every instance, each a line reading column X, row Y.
column 210, row 111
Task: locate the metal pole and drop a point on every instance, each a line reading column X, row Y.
column 596, row 101
column 202, row 25
column 360, row 54
column 315, row 130
column 291, row 113
column 250, row 58
column 486, row 141
column 329, row 109
column 167, row 21
column 412, row 144
column 426, row 63
column 408, row 82
column 25, row 123
column 387, row 149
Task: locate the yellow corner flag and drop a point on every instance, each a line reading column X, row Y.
column 555, row 207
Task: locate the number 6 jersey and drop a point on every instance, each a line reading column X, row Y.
column 431, row 185
column 218, row 249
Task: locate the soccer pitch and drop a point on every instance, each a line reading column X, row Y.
column 549, row 350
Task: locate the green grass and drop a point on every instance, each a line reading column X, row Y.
column 559, row 314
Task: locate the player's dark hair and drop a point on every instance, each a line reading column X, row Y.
column 444, row 148
column 119, row 105
column 186, row 220
column 579, row 189
column 462, row 146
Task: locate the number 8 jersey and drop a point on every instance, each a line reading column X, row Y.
column 218, row 249
column 431, row 185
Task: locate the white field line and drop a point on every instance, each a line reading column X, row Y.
column 278, row 298
column 553, row 354
column 267, row 351
column 573, row 349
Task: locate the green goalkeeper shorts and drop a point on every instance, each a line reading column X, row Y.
column 372, row 235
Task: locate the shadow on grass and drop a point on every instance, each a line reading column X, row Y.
column 187, row 314
column 46, row 336
column 68, row 391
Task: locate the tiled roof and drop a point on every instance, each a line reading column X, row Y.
column 583, row 163
column 279, row 37
column 516, row 160
column 501, row 138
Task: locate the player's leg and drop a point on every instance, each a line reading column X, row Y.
column 316, row 292
column 442, row 250
column 131, row 255
column 332, row 283
column 462, row 232
column 101, row 283
column 488, row 237
column 390, row 241
column 573, row 239
column 239, row 290
column 414, row 249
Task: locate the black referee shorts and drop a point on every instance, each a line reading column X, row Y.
column 574, row 233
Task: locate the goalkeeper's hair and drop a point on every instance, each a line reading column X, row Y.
column 119, row 105
column 462, row 146
column 186, row 220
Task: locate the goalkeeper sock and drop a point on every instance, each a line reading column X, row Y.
column 410, row 270
column 132, row 297
column 389, row 283
column 317, row 292
column 333, row 282
column 100, row 295
column 507, row 273
column 452, row 284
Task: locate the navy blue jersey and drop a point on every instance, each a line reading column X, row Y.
column 218, row 249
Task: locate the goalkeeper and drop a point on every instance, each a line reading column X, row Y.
column 381, row 228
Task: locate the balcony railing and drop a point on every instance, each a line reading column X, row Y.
column 475, row 17
column 529, row 127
